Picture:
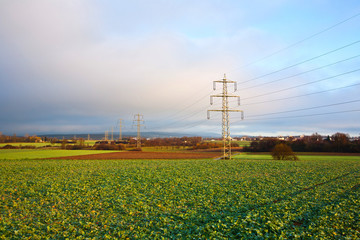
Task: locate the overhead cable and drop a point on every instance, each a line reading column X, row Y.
column 303, row 109
column 301, row 73
column 301, row 41
column 302, row 95
column 298, row 116
column 299, row 63
column 304, row 84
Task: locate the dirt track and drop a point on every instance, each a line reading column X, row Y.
column 143, row 155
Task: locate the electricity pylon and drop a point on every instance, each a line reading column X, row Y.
column 120, row 124
column 225, row 113
column 139, row 119
column 106, row 135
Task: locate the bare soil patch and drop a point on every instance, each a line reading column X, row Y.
column 143, row 155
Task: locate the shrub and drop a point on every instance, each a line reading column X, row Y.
column 27, row 147
column 264, row 145
column 104, row 146
column 8, row 146
column 136, row 150
column 207, row 145
column 75, row 147
column 282, row 151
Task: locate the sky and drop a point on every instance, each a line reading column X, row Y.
column 79, row 66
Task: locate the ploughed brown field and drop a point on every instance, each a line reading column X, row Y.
column 145, row 155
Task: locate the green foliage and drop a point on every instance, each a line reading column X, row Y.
column 265, row 145
column 243, row 143
column 208, row 145
column 282, row 151
column 28, row 144
column 174, row 141
column 185, row 199
column 104, row 146
column 42, row 153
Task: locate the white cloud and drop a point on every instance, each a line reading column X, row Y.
column 70, row 59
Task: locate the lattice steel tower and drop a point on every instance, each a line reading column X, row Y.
column 138, row 118
column 120, row 125
column 225, row 113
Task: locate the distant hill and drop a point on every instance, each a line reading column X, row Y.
column 99, row 136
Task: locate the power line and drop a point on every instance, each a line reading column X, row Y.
column 303, row 109
column 189, row 115
column 299, row 63
column 308, row 115
column 198, row 123
column 302, row 95
column 172, row 116
column 304, row 84
column 301, row 73
column 190, row 105
column 300, row 41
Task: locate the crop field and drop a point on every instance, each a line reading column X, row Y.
column 248, row 197
column 44, row 153
column 19, row 144
column 42, row 144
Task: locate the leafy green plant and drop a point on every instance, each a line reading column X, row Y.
column 317, row 198
column 43, row 153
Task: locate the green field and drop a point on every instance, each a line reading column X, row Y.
column 42, row 144
column 44, row 153
column 37, row 145
column 243, row 143
column 315, row 198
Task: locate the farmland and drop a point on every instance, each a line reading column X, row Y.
column 248, row 197
column 43, row 153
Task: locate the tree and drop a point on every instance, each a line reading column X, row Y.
column 341, row 142
column 314, row 143
column 282, row 151
column 265, row 145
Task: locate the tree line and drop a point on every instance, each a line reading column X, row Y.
column 338, row 142
column 183, row 141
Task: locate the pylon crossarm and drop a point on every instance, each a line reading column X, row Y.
column 224, row 81
column 242, row 112
column 228, row 110
column 222, row 95
column 208, row 112
column 229, row 96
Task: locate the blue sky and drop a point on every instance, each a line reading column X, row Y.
column 79, row 66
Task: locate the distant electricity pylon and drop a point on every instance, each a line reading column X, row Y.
column 120, row 125
column 106, row 135
column 138, row 118
column 225, row 113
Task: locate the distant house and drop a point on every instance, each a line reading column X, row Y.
column 245, row 138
